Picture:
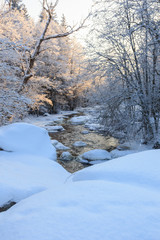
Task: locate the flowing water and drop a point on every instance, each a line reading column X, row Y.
column 73, row 133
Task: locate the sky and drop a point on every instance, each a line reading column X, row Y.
column 74, row 10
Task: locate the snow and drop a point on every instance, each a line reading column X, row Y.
column 25, row 165
column 69, row 113
column 96, row 154
column 66, row 156
column 79, row 144
column 58, row 145
column 94, row 126
column 118, row 199
column 96, row 162
column 85, row 132
column 54, row 129
column 92, row 204
column 135, row 168
column 45, row 121
column 54, row 142
column 125, row 146
column 78, row 120
column 23, row 175
column 81, row 160
column 117, row 153
column 26, row 138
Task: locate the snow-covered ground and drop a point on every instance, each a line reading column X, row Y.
column 115, row 200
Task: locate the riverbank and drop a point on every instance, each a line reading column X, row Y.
column 69, row 128
column 78, row 132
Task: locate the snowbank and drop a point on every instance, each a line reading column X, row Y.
column 25, row 164
column 115, row 200
column 141, row 169
column 22, row 175
column 26, row 138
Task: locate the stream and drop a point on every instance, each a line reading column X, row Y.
column 75, row 132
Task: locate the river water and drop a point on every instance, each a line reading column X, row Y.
column 73, row 133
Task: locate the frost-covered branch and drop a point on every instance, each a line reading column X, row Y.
column 49, row 9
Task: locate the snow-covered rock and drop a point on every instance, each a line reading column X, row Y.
column 96, row 162
column 78, row 120
column 58, row 145
column 94, row 126
column 69, row 113
column 117, row 153
column 54, row 142
column 79, row 144
column 59, row 120
column 124, row 146
column 141, row 169
column 96, row 154
column 66, row 156
column 81, row 160
column 46, row 114
column 26, row 138
column 53, row 129
column 85, row 132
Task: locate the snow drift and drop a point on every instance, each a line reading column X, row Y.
column 115, row 200
column 26, row 138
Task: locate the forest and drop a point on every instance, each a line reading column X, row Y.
column 44, row 68
column 80, row 122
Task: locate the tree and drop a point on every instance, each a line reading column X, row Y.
column 61, row 62
column 14, row 4
column 33, row 54
column 15, row 35
column 17, row 5
column 126, row 50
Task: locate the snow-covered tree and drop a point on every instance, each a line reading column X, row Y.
column 43, row 38
column 38, row 63
column 60, row 61
column 15, row 38
column 126, row 53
